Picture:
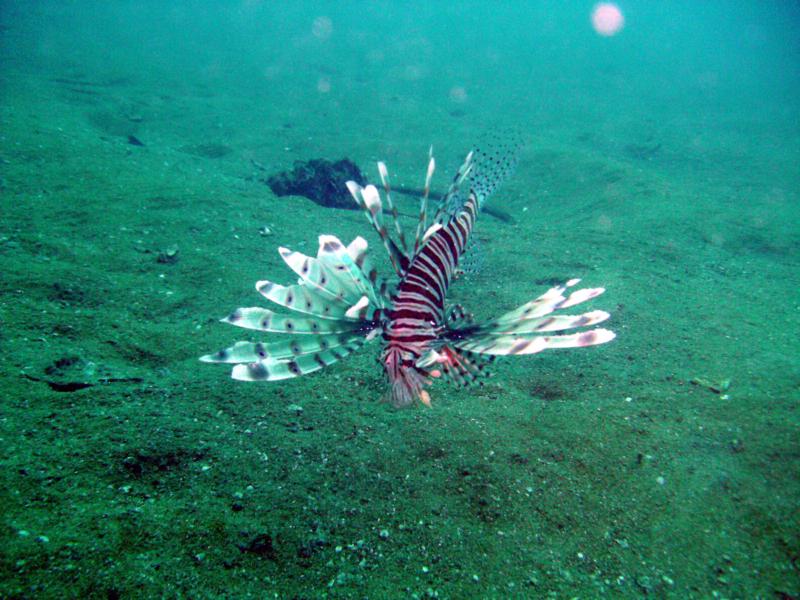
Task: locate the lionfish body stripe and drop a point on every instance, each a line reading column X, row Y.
column 417, row 318
column 340, row 303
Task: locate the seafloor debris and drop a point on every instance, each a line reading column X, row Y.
column 168, row 256
column 645, row 151
column 718, row 387
column 319, row 180
column 72, row 373
column 152, row 463
column 261, row 545
column 209, row 150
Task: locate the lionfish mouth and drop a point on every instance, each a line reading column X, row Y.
column 339, row 303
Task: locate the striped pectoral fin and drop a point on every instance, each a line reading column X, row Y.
column 245, row 352
column 546, row 324
column 579, row 296
column 302, row 298
column 553, row 299
column 238, row 353
column 336, row 257
column 358, row 251
column 538, row 307
column 527, row 344
column 592, row 337
column 384, row 290
column 320, row 277
column 262, row 319
column 276, row 369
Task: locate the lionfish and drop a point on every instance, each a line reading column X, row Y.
column 339, row 303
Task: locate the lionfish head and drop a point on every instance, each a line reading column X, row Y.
column 407, row 382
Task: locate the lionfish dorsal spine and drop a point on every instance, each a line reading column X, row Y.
column 455, row 187
column 369, row 199
column 387, row 188
column 423, row 203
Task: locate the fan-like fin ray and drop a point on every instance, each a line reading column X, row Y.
column 263, row 319
column 422, row 224
column 277, row 369
column 545, row 324
column 552, row 299
column 514, row 344
column 336, row 256
column 318, row 276
column 302, row 298
column 245, row 352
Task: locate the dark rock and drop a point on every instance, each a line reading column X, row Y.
column 113, row 594
column 68, row 386
column 67, row 293
column 319, row 180
column 261, row 545
column 519, row 459
column 62, row 366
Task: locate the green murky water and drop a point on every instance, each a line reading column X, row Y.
column 661, row 162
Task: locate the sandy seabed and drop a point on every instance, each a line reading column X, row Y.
column 129, row 469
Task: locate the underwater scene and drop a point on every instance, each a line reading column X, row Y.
column 381, row 299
